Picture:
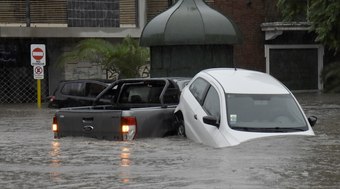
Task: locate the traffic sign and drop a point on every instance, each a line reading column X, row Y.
column 38, row 54
column 38, row 72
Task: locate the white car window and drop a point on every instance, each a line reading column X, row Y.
column 198, row 88
column 212, row 103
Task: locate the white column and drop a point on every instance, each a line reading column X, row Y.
column 141, row 13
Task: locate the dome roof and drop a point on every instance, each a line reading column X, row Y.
column 190, row 22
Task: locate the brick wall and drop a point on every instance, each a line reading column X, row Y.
column 155, row 7
column 248, row 16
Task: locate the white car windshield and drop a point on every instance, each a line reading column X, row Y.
column 266, row 113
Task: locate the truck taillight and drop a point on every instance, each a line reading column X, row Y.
column 55, row 124
column 129, row 127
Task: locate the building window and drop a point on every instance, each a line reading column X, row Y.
column 93, row 13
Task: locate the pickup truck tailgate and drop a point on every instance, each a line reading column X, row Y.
column 102, row 124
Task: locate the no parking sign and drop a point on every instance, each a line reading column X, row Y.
column 38, row 54
column 38, row 72
column 38, row 60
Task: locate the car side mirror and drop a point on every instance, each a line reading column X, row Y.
column 211, row 120
column 312, row 120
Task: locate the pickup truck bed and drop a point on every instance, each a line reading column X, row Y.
column 138, row 108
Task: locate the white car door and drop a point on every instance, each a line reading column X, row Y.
column 211, row 108
column 191, row 106
column 204, row 100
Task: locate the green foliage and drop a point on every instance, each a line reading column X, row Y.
column 292, row 10
column 331, row 77
column 124, row 59
column 128, row 58
column 324, row 16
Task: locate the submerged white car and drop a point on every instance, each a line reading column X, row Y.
column 223, row 107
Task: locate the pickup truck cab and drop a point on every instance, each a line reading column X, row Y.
column 138, row 108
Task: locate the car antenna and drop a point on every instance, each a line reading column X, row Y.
column 235, row 66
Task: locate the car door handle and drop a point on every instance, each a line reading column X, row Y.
column 195, row 116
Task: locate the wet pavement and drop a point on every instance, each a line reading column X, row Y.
column 31, row 158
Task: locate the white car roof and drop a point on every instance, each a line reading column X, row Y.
column 240, row 81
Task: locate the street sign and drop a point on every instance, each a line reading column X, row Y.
column 38, row 72
column 38, row 54
column 38, row 61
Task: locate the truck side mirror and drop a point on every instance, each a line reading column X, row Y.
column 312, row 120
column 211, row 120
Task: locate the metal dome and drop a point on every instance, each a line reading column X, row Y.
column 190, row 22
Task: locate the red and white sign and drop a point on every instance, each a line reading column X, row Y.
column 38, row 54
column 38, row 72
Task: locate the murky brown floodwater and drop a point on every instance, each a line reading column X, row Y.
column 31, row 158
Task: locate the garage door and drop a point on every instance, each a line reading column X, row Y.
column 297, row 68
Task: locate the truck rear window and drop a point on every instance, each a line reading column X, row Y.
column 141, row 93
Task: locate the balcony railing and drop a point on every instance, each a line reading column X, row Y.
column 69, row 13
column 13, row 12
column 33, row 12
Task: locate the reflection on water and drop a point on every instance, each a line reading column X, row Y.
column 125, row 165
column 125, row 157
column 55, row 160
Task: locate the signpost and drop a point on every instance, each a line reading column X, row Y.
column 38, row 61
column 38, row 55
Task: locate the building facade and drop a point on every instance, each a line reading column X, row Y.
column 268, row 44
column 59, row 25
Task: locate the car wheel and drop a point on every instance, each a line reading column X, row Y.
column 180, row 126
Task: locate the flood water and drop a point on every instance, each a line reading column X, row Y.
column 31, row 158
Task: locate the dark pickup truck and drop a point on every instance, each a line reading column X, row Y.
column 138, row 108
